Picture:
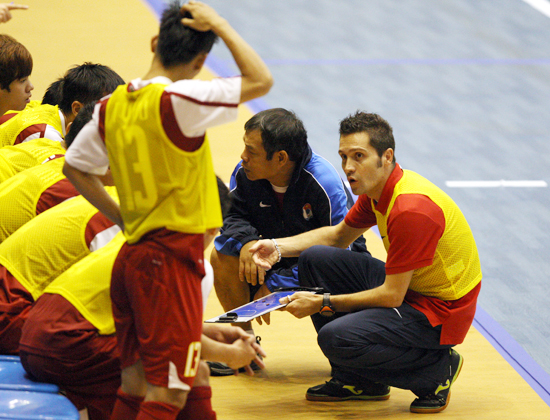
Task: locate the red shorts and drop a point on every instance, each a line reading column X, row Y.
column 60, row 346
column 15, row 303
column 157, row 306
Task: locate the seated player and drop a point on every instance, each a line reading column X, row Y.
column 14, row 159
column 81, row 85
column 39, row 251
column 69, row 337
column 15, row 69
column 54, row 93
column 52, row 96
column 44, row 127
column 34, row 190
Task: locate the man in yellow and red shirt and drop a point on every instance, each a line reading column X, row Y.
column 394, row 325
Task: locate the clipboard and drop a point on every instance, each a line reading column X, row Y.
column 258, row 307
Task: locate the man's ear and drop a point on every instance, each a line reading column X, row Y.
column 282, row 157
column 76, row 107
column 388, row 156
column 68, row 127
column 154, row 43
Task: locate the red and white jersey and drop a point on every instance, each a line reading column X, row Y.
column 188, row 108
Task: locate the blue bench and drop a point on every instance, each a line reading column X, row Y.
column 24, row 405
column 14, row 377
column 10, row 358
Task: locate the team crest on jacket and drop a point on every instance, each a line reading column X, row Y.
column 307, row 212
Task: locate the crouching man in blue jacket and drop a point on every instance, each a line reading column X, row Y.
column 280, row 188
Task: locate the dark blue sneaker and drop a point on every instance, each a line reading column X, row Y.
column 439, row 400
column 335, row 390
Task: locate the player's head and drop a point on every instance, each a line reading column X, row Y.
column 54, row 93
column 280, row 129
column 15, row 69
column 81, row 119
column 379, row 131
column 274, row 140
column 178, row 44
column 86, row 83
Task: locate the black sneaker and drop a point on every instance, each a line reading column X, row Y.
column 439, row 400
column 219, row 369
column 335, row 390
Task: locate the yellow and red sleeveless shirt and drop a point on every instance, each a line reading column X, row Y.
column 49, row 244
column 159, row 184
column 30, row 118
column 90, row 295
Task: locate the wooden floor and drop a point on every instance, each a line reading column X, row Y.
column 60, row 34
column 488, row 388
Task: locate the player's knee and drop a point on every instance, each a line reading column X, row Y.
column 330, row 341
column 226, row 267
column 133, row 380
column 172, row 396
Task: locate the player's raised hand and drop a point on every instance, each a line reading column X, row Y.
column 5, row 10
column 204, row 18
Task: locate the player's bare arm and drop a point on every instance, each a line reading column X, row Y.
column 265, row 253
column 388, row 295
column 92, row 189
column 256, row 77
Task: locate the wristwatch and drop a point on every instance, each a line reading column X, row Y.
column 326, row 308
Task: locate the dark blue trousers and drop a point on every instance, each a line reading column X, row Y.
column 393, row 346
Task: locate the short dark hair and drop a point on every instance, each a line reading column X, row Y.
column 54, row 93
column 378, row 129
column 15, row 61
column 81, row 119
column 281, row 130
column 177, row 43
column 87, row 83
column 225, row 197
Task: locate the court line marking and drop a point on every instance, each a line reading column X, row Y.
column 542, row 6
column 497, row 184
column 513, row 353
